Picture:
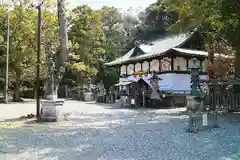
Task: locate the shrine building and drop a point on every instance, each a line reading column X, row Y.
column 170, row 58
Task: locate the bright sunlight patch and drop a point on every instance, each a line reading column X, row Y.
column 10, row 125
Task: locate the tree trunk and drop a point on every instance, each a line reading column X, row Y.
column 237, row 62
column 211, row 74
column 211, row 56
column 62, row 55
column 16, row 92
column 63, row 37
column 237, row 68
column 48, row 88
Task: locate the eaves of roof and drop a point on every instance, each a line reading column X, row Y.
column 159, row 48
column 191, row 52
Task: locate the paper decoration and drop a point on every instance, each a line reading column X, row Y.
column 204, row 120
column 132, row 101
column 166, row 65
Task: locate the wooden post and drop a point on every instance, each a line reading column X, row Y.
column 190, row 122
column 143, row 95
column 38, row 61
column 216, row 124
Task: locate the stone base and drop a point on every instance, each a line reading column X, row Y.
column 88, row 97
column 50, row 110
column 191, row 103
column 52, row 97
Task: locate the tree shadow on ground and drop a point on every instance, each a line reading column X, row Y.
column 140, row 135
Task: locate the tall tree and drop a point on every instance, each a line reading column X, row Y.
column 217, row 20
column 87, row 41
column 22, row 46
column 22, row 56
column 61, row 54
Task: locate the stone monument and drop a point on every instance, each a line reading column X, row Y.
column 51, row 106
column 154, row 81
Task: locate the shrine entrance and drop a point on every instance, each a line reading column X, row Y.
column 141, row 91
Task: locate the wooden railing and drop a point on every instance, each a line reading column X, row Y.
column 227, row 100
column 202, row 120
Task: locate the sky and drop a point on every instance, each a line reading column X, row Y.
column 122, row 4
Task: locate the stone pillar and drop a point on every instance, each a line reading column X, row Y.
column 194, row 71
column 143, row 96
column 155, row 87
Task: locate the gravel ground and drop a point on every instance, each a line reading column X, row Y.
column 98, row 132
column 16, row 110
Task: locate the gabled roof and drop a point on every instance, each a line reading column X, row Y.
column 155, row 48
column 160, row 46
column 121, row 59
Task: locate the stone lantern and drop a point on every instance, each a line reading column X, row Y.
column 51, row 107
column 123, row 95
column 192, row 103
column 154, row 81
column 195, row 78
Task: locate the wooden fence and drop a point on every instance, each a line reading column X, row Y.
column 222, row 97
column 227, row 100
column 202, row 120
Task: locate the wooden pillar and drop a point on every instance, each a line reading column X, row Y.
column 172, row 63
column 149, row 66
column 126, row 70
column 143, row 96
column 160, row 65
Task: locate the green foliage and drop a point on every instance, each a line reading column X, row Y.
column 214, row 18
column 96, row 36
column 87, row 39
column 22, row 54
column 217, row 20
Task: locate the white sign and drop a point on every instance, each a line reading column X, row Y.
column 132, row 101
column 204, row 120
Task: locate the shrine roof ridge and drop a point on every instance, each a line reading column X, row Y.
column 158, row 47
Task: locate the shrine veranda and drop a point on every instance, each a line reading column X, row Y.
column 168, row 59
